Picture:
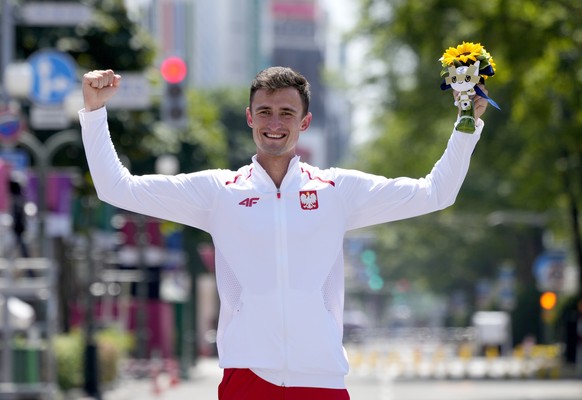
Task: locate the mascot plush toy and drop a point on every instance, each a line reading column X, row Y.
column 463, row 67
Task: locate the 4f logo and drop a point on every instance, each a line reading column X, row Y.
column 249, row 202
column 308, row 200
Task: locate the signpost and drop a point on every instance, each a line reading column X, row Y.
column 54, row 76
column 53, row 79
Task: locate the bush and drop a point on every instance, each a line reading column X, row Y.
column 112, row 345
column 69, row 360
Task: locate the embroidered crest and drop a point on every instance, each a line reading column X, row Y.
column 308, row 200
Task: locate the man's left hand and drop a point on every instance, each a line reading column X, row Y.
column 480, row 103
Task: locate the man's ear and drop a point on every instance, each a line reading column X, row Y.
column 249, row 117
column 306, row 121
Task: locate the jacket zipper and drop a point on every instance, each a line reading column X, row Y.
column 282, row 274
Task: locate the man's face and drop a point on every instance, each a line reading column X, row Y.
column 276, row 119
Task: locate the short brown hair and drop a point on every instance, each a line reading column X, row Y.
column 274, row 78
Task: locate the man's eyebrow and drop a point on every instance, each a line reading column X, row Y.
column 261, row 108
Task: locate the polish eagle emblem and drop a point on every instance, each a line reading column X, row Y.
column 308, row 200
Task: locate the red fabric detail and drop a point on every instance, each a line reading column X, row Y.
column 238, row 176
column 332, row 183
column 234, row 180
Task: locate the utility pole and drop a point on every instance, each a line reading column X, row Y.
column 7, row 30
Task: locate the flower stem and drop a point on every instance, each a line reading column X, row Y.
column 467, row 120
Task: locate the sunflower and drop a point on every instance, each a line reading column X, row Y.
column 463, row 54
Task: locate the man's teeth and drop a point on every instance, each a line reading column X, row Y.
column 273, row 136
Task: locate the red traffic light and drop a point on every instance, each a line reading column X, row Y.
column 173, row 70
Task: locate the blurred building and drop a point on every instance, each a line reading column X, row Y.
column 226, row 42
column 298, row 28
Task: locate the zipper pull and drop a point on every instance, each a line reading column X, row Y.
column 278, row 193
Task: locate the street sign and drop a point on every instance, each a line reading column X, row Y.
column 549, row 270
column 48, row 117
column 54, row 76
column 54, row 13
column 11, row 127
column 134, row 92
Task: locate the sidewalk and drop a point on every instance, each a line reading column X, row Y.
column 202, row 384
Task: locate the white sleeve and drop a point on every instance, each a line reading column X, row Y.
column 373, row 199
column 184, row 198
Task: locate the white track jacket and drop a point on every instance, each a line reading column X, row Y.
column 279, row 252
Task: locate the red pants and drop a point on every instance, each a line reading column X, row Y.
column 243, row 384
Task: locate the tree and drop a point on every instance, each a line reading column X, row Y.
column 232, row 103
column 530, row 155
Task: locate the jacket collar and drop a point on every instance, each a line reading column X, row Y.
column 264, row 181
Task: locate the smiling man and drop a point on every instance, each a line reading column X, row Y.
column 277, row 116
column 278, row 226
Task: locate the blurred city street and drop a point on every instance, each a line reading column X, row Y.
column 206, row 376
column 108, row 294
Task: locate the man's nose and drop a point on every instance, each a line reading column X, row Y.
column 274, row 122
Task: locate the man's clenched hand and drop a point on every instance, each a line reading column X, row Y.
column 98, row 87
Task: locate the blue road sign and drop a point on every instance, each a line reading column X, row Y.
column 17, row 158
column 10, row 127
column 54, row 76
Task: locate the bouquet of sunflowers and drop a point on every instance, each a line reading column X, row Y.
column 463, row 67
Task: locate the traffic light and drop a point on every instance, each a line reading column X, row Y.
column 173, row 107
column 375, row 281
column 548, row 300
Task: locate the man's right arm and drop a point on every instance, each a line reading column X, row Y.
column 185, row 198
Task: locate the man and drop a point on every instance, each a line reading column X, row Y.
column 278, row 226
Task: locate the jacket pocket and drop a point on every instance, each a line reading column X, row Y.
column 254, row 335
column 315, row 339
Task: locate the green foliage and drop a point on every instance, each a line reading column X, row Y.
column 232, row 103
column 69, row 360
column 535, row 84
column 113, row 345
column 69, row 353
column 111, row 40
column 200, row 145
column 530, row 154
